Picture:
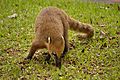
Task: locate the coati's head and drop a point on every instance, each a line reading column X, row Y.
column 55, row 45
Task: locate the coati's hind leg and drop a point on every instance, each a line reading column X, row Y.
column 35, row 46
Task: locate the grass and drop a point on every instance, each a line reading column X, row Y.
column 96, row 59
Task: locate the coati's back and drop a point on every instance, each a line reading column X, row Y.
column 49, row 20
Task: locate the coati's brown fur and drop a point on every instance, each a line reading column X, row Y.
column 51, row 28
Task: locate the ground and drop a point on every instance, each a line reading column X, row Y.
column 94, row 59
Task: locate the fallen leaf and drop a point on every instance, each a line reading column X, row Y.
column 102, row 25
column 13, row 16
column 111, row 38
column 102, row 34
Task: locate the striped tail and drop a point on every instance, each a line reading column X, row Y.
column 86, row 29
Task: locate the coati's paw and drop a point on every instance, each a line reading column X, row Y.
column 47, row 58
column 25, row 61
column 63, row 54
column 29, row 57
column 58, row 65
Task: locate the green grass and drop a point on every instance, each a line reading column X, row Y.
column 96, row 59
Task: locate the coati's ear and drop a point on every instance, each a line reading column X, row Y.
column 63, row 41
column 62, row 37
column 48, row 40
column 47, row 43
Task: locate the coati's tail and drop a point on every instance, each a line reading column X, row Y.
column 86, row 29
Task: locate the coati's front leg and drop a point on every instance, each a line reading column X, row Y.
column 66, row 46
column 47, row 58
column 34, row 47
column 57, row 61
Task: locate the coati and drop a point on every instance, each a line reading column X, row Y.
column 51, row 28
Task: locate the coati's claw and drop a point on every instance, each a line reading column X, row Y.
column 58, row 63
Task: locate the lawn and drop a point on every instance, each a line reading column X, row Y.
column 94, row 59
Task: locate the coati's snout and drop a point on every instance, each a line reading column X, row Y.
column 56, row 47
